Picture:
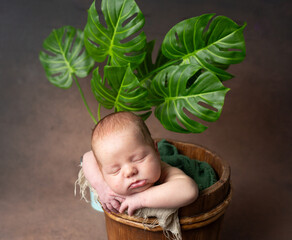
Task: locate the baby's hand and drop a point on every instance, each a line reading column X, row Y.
column 132, row 203
column 109, row 200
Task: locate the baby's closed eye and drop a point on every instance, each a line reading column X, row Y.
column 139, row 158
column 115, row 170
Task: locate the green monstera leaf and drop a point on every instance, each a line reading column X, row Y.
column 121, row 39
column 179, row 95
column 65, row 56
column 122, row 91
column 214, row 48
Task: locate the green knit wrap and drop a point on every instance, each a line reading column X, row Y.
column 202, row 173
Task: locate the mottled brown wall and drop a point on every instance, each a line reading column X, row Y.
column 44, row 130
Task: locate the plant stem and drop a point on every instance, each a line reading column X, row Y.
column 84, row 100
column 108, row 60
column 107, row 64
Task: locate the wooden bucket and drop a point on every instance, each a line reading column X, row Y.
column 199, row 220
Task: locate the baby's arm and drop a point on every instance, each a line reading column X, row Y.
column 176, row 190
column 109, row 199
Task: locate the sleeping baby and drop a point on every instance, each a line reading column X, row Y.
column 125, row 169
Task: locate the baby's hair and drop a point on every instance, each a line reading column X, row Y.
column 116, row 122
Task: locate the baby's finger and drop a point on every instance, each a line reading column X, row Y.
column 130, row 211
column 112, row 209
column 123, row 207
column 105, row 207
column 116, row 204
column 120, row 199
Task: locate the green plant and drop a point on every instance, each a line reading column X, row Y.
column 184, row 82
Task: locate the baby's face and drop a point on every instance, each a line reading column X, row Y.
column 128, row 164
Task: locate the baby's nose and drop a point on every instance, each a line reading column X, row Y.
column 130, row 171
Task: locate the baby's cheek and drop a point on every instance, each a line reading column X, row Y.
column 113, row 184
column 118, row 187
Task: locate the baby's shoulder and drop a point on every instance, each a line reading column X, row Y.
column 167, row 172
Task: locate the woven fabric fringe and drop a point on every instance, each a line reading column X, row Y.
column 83, row 185
column 166, row 218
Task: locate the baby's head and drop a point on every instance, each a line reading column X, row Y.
column 126, row 153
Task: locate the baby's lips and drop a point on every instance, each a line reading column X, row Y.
column 138, row 184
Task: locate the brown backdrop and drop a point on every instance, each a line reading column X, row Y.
column 44, row 130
